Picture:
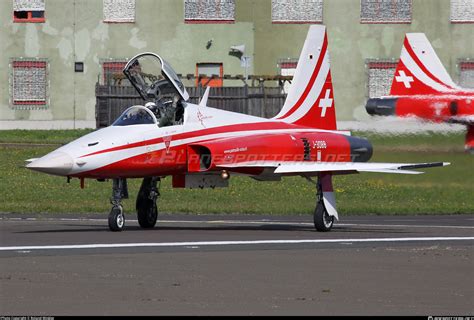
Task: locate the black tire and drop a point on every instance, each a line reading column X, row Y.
column 147, row 213
column 116, row 219
column 322, row 220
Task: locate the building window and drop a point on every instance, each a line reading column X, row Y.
column 209, row 74
column 112, row 74
column 28, row 11
column 119, row 11
column 466, row 73
column 385, row 11
column 380, row 77
column 29, row 83
column 209, row 11
column 297, row 11
column 462, row 11
column 287, row 68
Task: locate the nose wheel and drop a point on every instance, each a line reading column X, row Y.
column 116, row 216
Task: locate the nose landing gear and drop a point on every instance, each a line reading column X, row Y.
column 116, row 216
column 147, row 211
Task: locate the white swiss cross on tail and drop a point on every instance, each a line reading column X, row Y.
column 311, row 92
column 325, row 103
column 402, row 77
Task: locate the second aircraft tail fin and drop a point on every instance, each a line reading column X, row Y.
column 419, row 70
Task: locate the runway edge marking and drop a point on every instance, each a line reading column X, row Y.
column 226, row 243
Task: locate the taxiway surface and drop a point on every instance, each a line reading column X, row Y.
column 237, row 265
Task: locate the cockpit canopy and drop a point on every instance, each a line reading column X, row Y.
column 153, row 77
column 135, row 115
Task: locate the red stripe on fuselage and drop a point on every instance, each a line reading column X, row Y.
column 311, row 81
column 204, row 132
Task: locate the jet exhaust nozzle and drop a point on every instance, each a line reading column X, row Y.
column 381, row 106
column 361, row 149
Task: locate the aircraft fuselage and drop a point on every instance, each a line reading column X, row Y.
column 142, row 150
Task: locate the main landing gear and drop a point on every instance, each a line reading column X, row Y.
column 147, row 211
column 322, row 220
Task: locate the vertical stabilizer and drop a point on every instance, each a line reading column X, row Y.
column 310, row 100
column 419, row 70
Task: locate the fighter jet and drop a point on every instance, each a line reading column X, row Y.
column 203, row 147
column 422, row 88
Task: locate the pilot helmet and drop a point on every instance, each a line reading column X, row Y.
column 150, row 105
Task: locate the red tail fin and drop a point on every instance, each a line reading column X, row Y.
column 310, row 100
column 419, row 70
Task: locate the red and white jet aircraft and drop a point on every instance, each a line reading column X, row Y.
column 422, row 88
column 201, row 147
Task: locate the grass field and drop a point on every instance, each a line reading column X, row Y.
column 41, row 136
column 448, row 190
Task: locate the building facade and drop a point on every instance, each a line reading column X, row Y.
column 53, row 52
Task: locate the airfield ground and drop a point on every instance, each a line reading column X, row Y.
column 237, row 265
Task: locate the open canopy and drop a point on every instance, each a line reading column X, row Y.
column 153, row 77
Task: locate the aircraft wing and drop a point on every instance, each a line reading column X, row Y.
column 467, row 120
column 314, row 167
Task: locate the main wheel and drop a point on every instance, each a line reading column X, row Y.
column 147, row 213
column 322, row 220
column 116, row 218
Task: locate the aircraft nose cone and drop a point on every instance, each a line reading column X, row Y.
column 57, row 163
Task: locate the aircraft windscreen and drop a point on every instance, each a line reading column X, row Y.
column 133, row 116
